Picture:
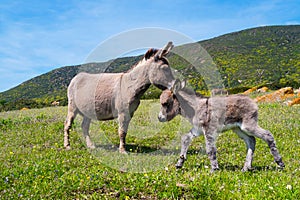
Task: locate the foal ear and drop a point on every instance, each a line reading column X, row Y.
column 176, row 86
column 164, row 51
column 183, row 84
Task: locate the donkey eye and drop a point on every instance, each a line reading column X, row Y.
column 166, row 104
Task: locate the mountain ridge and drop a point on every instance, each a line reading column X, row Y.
column 268, row 55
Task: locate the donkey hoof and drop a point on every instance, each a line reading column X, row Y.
column 123, row 151
column 280, row 163
column 246, row 169
column 214, row 170
column 91, row 146
column 68, row 147
column 178, row 166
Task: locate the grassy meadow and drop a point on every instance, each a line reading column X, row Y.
column 34, row 164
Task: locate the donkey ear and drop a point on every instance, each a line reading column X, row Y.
column 176, row 86
column 164, row 51
column 183, row 84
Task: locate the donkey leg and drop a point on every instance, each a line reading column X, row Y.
column 211, row 149
column 268, row 138
column 185, row 143
column 67, row 126
column 85, row 125
column 124, row 120
column 250, row 143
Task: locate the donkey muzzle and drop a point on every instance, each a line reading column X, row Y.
column 162, row 117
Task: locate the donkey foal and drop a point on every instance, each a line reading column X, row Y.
column 210, row 116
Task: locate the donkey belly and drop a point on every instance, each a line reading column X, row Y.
column 230, row 126
column 105, row 97
column 98, row 109
column 95, row 95
column 104, row 109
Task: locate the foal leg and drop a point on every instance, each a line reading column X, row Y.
column 124, row 120
column 250, row 143
column 267, row 137
column 185, row 143
column 68, row 124
column 85, row 125
column 211, row 150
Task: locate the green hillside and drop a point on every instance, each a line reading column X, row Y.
column 259, row 56
column 52, row 86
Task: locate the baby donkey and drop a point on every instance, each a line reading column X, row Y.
column 210, row 116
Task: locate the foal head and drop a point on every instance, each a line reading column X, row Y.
column 170, row 106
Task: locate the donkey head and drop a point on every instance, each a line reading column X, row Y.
column 170, row 106
column 159, row 71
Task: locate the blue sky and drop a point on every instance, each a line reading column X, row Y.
column 38, row 36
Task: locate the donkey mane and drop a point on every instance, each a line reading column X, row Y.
column 150, row 53
column 133, row 66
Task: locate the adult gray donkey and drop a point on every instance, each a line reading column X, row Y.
column 107, row 96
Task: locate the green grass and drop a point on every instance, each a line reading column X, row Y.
column 34, row 164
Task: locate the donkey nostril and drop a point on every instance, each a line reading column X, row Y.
column 161, row 118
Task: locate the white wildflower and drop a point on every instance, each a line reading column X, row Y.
column 289, row 187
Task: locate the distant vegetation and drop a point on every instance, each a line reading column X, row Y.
column 260, row 56
column 264, row 56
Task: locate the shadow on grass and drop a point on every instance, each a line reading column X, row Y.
column 232, row 167
column 133, row 148
column 265, row 168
